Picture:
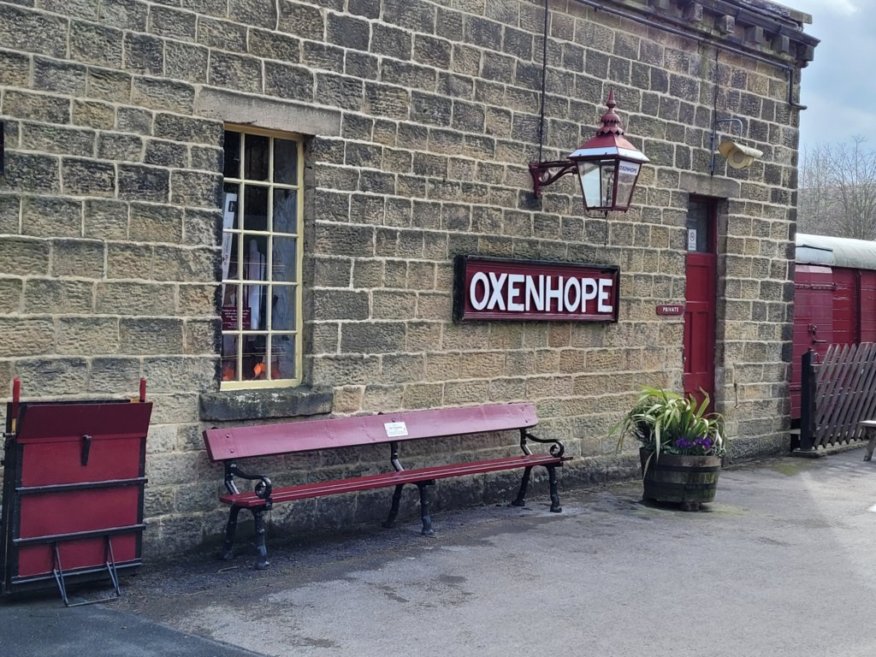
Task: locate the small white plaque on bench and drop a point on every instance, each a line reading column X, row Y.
column 395, row 429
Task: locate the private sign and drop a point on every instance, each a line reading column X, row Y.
column 500, row 289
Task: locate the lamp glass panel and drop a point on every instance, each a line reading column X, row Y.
column 597, row 183
column 591, row 182
column 627, row 172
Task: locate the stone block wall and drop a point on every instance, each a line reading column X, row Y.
column 421, row 117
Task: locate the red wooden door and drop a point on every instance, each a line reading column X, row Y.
column 868, row 306
column 845, row 307
column 813, row 322
column 699, row 309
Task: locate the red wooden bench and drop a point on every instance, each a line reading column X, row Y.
column 229, row 445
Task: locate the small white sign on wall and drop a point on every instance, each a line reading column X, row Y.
column 395, row 429
column 691, row 239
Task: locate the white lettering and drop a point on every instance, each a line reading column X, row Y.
column 496, row 297
column 555, row 294
column 514, row 281
column 542, row 293
column 605, row 285
column 628, row 169
column 478, row 303
column 589, row 286
column 573, row 286
column 535, row 295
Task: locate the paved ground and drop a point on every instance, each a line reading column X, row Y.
column 781, row 564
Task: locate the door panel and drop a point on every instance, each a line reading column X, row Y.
column 700, row 302
column 845, row 307
column 813, row 322
column 699, row 325
column 868, row 306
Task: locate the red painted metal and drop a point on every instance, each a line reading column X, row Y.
column 307, row 435
column 51, row 436
column 74, row 480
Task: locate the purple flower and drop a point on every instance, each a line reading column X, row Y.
column 705, row 442
column 683, row 443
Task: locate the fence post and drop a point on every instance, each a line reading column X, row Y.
column 807, row 402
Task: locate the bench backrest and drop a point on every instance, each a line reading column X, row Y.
column 307, row 435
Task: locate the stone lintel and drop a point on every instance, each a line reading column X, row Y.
column 268, row 113
column 702, row 184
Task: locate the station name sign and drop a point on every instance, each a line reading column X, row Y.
column 502, row 289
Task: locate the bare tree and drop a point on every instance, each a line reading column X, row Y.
column 838, row 190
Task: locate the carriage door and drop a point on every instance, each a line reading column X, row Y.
column 699, row 309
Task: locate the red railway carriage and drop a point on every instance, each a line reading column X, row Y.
column 835, row 298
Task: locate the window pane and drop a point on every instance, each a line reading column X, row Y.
column 285, row 161
column 255, row 205
column 285, row 259
column 285, row 211
column 254, row 367
column 698, row 227
column 255, row 261
column 283, row 357
column 256, row 158
column 229, row 358
column 232, row 155
column 231, row 293
column 254, row 311
column 230, row 206
column 283, row 309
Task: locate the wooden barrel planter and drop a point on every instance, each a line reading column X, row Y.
column 687, row 480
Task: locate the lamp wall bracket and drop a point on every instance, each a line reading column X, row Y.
column 547, row 173
column 713, row 140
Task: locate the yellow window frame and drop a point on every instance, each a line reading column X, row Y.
column 240, row 230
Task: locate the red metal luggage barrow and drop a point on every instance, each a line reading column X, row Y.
column 73, row 486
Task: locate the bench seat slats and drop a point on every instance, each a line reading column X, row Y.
column 386, row 479
column 307, row 435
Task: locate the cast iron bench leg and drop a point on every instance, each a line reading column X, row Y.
column 261, row 548
column 552, row 482
column 393, row 510
column 520, row 500
column 227, row 553
column 424, row 508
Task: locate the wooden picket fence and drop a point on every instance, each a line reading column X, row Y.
column 837, row 394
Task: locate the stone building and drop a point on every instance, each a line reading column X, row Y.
column 256, row 205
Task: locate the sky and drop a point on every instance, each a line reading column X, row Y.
column 839, row 85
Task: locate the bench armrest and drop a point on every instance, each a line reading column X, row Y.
column 557, row 449
column 262, row 489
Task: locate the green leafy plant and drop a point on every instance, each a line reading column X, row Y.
column 664, row 421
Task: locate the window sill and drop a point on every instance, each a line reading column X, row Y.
column 272, row 403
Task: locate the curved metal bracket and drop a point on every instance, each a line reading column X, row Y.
column 557, row 449
column 263, row 488
column 713, row 140
column 543, row 173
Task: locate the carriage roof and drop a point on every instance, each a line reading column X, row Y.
column 835, row 251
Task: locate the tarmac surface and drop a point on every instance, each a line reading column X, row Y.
column 780, row 564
